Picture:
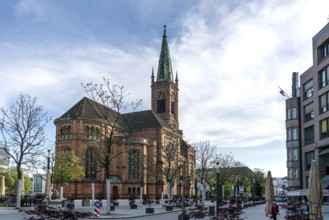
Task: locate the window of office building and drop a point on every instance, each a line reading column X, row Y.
column 324, row 101
column 289, row 155
column 37, row 184
column 309, row 157
column 290, row 173
column 292, row 134
column 308, row 89
column 291, row 113
column 308, row 112
column 289, row 135
column 324, row 50
column 324, row 128
column 309, row 135
column 324, row 77
column 295, row 154
column 296, row 173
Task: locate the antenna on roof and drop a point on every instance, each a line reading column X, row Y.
column 283, row 93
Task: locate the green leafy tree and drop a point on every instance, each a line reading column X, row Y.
column 11, row 181
column 67, row 167
column 260, row 180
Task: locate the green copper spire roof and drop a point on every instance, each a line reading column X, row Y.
column 164, row 68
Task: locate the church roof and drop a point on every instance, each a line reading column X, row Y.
column 145, row 120
column 164, row 68
column 87, row 108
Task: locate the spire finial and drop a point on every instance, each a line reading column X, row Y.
column 164, row 29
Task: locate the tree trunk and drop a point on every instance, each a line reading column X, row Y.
column 18, row 196
column 93, row 192
column 203, row 194
column 169, row 190
column 62, row 198
column 108, row 196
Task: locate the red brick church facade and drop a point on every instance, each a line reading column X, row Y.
column 78, row 130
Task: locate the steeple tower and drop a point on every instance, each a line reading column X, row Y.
column 164, row 68
column 165, row 87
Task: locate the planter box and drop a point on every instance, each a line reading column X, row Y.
column 70, row 206
column 67, row 204
column 86, row 202
column 169, row 208
column 132, row 203
column 134, row 206
column 149, row 210
column 112, row 208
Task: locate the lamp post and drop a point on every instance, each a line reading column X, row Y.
column 48, row 193
column 253, row 190
column 217, row 189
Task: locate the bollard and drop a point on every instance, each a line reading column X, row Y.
column 97, row 204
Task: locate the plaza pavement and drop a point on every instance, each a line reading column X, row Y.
column 123, row 211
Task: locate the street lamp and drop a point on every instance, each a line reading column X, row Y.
column 217, row 189
column 48, row 193
column 253, row 190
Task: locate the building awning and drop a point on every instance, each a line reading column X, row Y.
column 326, row 151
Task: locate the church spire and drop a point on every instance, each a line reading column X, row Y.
column 164, row 68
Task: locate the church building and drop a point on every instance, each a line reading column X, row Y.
column 79, row 130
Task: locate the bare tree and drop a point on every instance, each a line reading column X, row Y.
column 205, row 156
column 226, row 162
column 22, row 128
column 116, row 126
column 171, row 167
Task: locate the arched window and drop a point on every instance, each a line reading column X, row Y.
column 92, row 132
column 161, row 102
column 68, row 130
column 134, row 165
column 91, row 163
column 87, row 132
column 97, row 134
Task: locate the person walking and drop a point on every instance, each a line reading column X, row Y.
column 275, row 210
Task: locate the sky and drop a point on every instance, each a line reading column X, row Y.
column 230, row 57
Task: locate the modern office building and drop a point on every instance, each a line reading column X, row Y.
column 38, row 184
column 307, row 117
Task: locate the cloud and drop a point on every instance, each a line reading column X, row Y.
column 230, row 70
column 230, row 56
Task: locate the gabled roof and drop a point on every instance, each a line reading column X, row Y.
column 145, row 120
column 87, row 108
